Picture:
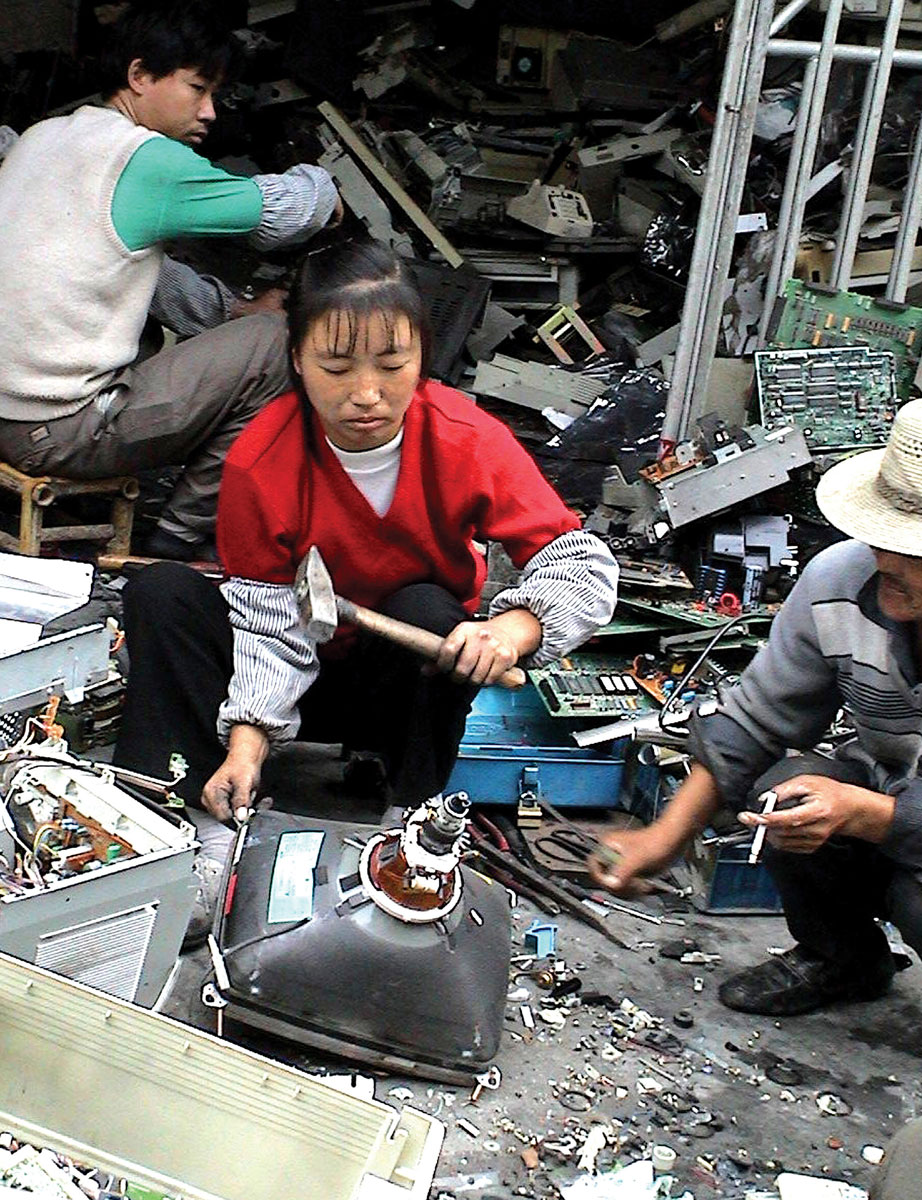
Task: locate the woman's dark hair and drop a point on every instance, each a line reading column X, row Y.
column 354, row 279
column 167, row 36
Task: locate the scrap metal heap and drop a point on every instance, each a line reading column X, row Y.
column 572, row 204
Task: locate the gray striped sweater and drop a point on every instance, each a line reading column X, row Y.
column 830, row 647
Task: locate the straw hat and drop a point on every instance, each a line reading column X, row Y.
column 876, row 497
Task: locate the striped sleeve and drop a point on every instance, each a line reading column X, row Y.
column 275, row 662
column 187, row 302
column 571, row 586
column 296, row 205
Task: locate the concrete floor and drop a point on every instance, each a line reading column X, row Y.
column 736, row 1097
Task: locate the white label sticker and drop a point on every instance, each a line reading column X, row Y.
column 291, row 893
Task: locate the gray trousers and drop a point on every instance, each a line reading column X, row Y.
column 832, row 896
column 185, row 405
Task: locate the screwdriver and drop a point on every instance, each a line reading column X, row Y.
column 768, row 800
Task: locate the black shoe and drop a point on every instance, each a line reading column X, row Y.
column 161, row 544
column 798, row 982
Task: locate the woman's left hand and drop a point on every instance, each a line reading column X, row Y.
column 481, row 651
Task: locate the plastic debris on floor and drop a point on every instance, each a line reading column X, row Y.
column 636, row 1181
column 807, row 1187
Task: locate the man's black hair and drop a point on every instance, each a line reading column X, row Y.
column 166, row 36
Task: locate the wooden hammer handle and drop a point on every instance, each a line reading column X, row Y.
column 421, row 641
column 121, row 562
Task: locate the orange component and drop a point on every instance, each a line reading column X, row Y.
column 651, row 683
column 389, row 872
column 46, row 718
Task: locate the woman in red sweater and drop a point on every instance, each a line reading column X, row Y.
column 395, row 478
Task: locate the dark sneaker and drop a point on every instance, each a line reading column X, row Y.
column 797, row 982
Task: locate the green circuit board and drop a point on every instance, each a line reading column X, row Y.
column 840, row 398
column 591, row 685
column 809, row 316
column 685, row 611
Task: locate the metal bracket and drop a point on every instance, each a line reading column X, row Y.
column 354, row 144
column 528, row 813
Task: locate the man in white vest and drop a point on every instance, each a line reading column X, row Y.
column 86, row 203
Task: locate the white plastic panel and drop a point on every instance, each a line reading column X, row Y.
column 177, row 1109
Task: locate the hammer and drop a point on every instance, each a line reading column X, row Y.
column 321, row 611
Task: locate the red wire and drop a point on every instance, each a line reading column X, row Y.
column 495, row 833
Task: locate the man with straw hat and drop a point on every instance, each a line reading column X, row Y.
column 844, row 845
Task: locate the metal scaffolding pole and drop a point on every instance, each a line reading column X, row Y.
column 726, row 174
column 800, row 164
column 898, row 280
column 872, row 111
column 845, row 52
column 787, row 14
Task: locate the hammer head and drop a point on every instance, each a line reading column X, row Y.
column 315, row 597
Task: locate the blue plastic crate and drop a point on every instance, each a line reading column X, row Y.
column 725, row 881
column 511, row 744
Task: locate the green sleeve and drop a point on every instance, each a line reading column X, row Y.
column 168, row 191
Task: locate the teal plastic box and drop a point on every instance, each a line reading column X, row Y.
column 512, row 745
column 726, row 882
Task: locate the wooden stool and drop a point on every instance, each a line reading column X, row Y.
column 38, row 493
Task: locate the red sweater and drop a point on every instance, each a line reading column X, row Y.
column 462, row 476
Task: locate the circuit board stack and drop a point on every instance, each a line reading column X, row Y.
column 590, row 685
column 812, row 317
column 839, row 399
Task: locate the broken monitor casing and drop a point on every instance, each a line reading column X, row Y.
column 118, row 924
column 178, row 1113
column 320, row 940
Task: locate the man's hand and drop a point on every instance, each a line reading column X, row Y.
column 234, row 783
column 650, row 850
column 640, row 852
column 826, row 808
column 482, row 651
column 271, row 300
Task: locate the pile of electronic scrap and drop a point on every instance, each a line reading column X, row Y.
column 96, row 879
column 545, row 180
column 40, row 1173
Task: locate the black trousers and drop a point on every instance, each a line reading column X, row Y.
column 378, row 699
column 832, row 896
